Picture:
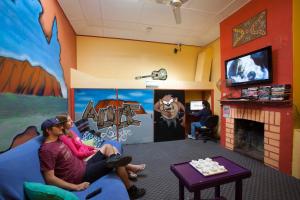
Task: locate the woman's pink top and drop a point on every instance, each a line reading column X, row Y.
column 77, row 147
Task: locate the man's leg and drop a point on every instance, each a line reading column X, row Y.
column 194, row 125
column 133, row 191
column 122, row 173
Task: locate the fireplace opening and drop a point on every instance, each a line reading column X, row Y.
column 249, row 138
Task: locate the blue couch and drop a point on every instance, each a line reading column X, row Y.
column 22, row 164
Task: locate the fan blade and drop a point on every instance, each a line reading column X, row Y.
column 183, row 1
column 176, row 11
column 163, row 1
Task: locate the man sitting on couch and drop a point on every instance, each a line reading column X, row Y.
column 63, row 169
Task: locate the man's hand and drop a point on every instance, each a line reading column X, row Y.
column 82, row 186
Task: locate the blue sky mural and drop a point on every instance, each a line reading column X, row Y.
column 143, row 96
column 83, row 96
column 22, row 37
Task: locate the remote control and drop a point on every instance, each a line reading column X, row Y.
column 94, row 193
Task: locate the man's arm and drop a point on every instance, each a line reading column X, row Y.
column 51, row 179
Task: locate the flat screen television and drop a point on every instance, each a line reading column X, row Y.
column 252, row 68
column 196, row 105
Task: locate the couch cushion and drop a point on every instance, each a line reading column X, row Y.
column 112, row 188
column 17, row 166
column 36, row 191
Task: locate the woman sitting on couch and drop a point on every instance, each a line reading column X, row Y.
column 85, row 152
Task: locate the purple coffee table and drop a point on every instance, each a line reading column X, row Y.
column 194, row 181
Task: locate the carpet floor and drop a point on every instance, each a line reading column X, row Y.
column 160, row 183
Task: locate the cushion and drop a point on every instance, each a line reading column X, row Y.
column 88, row 142
column 42, row 191
column 97, row 141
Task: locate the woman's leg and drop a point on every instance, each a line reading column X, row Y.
column 135, row 168
column 108, row 150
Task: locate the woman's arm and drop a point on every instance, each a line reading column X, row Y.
column 76, row 151
column 79, row 143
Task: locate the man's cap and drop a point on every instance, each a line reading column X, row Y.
column 48, row 123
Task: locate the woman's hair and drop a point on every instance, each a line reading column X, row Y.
column 63, row 118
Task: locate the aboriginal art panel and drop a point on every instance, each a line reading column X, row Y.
column 249, row 30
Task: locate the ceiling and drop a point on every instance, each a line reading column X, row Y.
column 148, row 20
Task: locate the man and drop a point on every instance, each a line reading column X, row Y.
column 63, row 169
column 202, row 115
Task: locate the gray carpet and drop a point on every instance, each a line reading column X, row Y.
column 161, row 184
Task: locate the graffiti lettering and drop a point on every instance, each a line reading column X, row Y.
column 107, row 117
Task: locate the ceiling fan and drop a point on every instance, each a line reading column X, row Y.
column 175, row 4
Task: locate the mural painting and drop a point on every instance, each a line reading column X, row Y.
column 169, row 115
column 117, row 114
column 32, row 84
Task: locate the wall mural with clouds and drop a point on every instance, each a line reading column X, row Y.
column 32, row 84
column 125, row 115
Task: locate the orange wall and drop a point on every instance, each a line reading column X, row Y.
column 279, row 36
column 66, row 37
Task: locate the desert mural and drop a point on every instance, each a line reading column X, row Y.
column 32, row 83
column 125, row 115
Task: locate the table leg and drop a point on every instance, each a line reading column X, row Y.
column 197, row 195
column 238, row 190
column 181, row 191
column 217, row 191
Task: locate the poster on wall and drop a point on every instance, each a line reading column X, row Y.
column 32, row 83
column 123, row 115
column 169, row 115
column 253, row 28
column 226, row 111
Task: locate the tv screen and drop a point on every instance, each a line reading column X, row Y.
column 196, row 105
column 251, row 68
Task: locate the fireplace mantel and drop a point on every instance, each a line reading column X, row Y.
column 256, row 102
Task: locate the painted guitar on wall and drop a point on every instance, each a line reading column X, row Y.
column 156, row 75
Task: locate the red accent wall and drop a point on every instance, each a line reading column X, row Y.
column 279, row 36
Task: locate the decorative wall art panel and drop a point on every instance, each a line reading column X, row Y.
column 169, row 115
column 32, row 82
column 251, row 29
column 125, row 115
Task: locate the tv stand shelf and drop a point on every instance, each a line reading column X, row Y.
column 256, row 102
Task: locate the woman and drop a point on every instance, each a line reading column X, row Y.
column 85, row 152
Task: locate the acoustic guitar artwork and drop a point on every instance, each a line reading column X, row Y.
column 156, row 75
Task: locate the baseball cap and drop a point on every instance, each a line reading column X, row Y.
column 48, row 123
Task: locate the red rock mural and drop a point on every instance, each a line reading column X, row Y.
column 20, row 77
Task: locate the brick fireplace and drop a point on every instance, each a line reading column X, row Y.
column 277, row 132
